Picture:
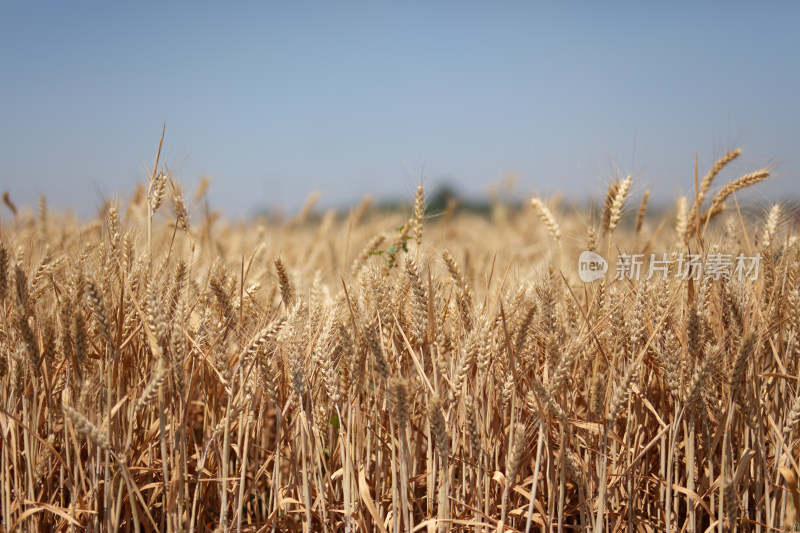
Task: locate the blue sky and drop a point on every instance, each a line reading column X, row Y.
column 275, row 100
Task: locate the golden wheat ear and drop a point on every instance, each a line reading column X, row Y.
column 640, row 213
column 547, row 218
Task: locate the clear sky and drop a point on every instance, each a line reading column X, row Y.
column 275, row 100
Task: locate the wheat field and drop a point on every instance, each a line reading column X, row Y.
column 162, row 369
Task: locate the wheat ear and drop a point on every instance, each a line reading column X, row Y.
column 547, row 217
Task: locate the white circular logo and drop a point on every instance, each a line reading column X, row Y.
column 591, row 266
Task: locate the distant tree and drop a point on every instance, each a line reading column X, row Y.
column 438, row 201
